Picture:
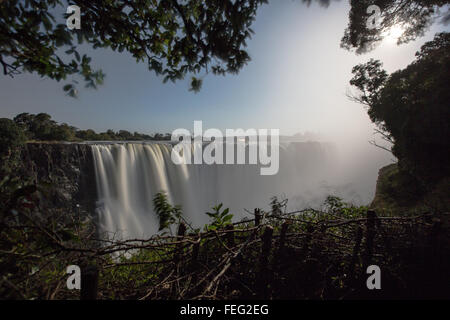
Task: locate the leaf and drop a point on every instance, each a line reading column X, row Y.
column 46, row 22
column 73, row 93
column 196, row 84
column 212, row 215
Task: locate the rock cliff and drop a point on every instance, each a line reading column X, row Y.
column 66, row 171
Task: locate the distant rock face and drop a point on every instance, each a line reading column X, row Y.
column 67, row 173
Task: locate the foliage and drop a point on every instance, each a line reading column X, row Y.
column 33, row 259
column 335, row 206
column 321, row 257
column 32, row 236
column 219, row 219
column 41, row 127
column 369, row 78
column 278, row 206
column 167, row 213
column 411, row 110
column 413, row 16
column 173, row 37
column 11, row 136
column 397, row 190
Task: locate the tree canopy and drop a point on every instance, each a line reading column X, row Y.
column 411, row 109
column 11, row 136
column 41, row 127
column 173, row 37
column 412, row 16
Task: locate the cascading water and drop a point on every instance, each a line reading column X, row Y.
column 129, row 175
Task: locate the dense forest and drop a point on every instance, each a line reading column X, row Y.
column 41, row 127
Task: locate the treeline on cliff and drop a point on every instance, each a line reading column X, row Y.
column 411, row 110
column 41, row 127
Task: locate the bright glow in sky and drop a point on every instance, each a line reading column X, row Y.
column 393, row 34
column 296, row 82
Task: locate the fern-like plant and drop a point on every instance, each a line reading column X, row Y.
column 167, row 213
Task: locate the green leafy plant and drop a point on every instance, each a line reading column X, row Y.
column 337, row 207
column 278, row 207
column 219, row 219
column 167, row 213
column 333, row 203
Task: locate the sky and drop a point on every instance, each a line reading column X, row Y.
column 296, row 82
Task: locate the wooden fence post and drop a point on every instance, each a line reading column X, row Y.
column 370, row 235
column 266, row 244
column 195, row 251
column 177, row 257
column 265, row 273
column 180, row 234
column 230, row 236
column 310, row 231
column 181, row 230
column 281, row 244
column 194, row 261
column 89, row 283
column 355, row 253
column 257, row 217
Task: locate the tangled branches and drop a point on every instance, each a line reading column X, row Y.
column 307, row 254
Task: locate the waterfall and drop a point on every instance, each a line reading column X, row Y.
column 128, row 176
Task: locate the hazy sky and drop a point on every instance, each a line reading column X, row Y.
column 296, row 82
